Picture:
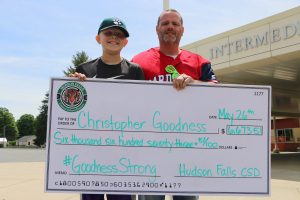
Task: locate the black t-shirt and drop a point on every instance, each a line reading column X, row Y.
column 124, row 70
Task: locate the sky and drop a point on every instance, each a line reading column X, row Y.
column 39, row 37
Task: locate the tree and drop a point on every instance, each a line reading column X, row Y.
column 41, row 119
column 77, row 59
column 8, row 125
column 26, row 125
column 41, row 122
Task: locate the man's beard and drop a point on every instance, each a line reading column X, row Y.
column 169, row 38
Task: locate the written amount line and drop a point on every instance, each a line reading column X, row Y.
column 74, row 129
column 129, row 146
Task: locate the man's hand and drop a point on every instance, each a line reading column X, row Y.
column 181, row 81
column 80, row 76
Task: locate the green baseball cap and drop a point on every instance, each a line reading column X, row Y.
column 113, row 22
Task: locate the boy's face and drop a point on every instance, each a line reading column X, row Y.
column 112, row 39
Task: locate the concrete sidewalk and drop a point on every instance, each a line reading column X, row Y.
column 25, row 180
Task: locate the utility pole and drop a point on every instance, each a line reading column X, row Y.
column 4, row 128
column 4, row 137
column 166, row 4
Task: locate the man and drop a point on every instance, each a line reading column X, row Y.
column 170, row 63
column 191, row 67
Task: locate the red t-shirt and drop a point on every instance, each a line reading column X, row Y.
column 153, row 62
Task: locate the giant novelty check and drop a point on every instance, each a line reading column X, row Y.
column 118, row 136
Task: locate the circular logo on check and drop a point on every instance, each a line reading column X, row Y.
column 71, row 96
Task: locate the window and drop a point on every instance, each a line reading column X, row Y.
column 285, row 135
column 289, row 135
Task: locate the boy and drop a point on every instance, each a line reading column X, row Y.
column 112, row 36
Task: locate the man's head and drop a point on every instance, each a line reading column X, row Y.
column 113, row 23
column 169, row 27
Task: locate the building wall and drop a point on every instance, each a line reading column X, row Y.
column 264, row 39
column 296, row 132
column 287, row 123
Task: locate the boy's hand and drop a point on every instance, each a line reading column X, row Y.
column 80, row 76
